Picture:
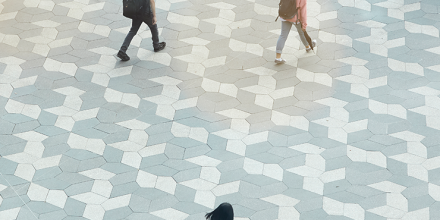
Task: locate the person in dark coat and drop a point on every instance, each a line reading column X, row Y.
column 223, row 212
column 148, row 16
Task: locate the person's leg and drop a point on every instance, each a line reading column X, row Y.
column 285, row 29
column 301, row 35
column 135, row 25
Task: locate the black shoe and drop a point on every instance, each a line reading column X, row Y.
column 160, row 47
column 123, row 56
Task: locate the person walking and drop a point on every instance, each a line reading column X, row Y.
column 300, row 22
column 148, row 16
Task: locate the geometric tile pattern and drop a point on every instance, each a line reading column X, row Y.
column 348, row 132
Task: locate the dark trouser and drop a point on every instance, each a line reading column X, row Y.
column 135, row 25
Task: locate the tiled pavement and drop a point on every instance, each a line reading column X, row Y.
column 351, row 132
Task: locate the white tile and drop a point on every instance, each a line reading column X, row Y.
column 281, row 200
column 300, row 122
column 57, row 198
column 397, row 201
column 418, row 171
column 90, row 198
column 13, row 106
column 145, row 179
column 11, row 40
column 170, row 213
column 308, row 148
column 226, row 188
column 73, row 102
column 356, row 126
column 408, row 136
column 139, row 137
column 354, row 211
column 333, row 175
column 377, row 158
column 9, row 214
column 199, row 184
column 230, row 134
column 171, row 91
column 112, row 95
column 264, row 101
column 409, row 158
column 417, row 149
column 397, row 110
column 6, row 90
column 205, row 198
column 185, row 103
column 31, row 136
column 388, row 212
column 256, row 138
column 34, row 148
column 22, row 158
column 25, row 171
column 313, row 184
column 98, row 174
column 132, row 100
column 127, row 146
column 306, row 171
column 196, row 68
column 356, row 154
column 132, row 159
column 332, row 207
column 77, row 141
column 166, row 184
column 279, row 118
column 152, row 150
column 41, row 49
column 236, row 146
column 282, row 93
column 37, row 192
column 86, row 114
column 186, row 20
column 236, row 45
column 253, row 166
column 377, row 107
column 116, row 202
column 217, row 61
column 166, row 111
column 315, row 161
column 94, row 212
column 421, row 214
column 273, row 171
column 434, row 191
column 332, row 102
column 288, row 213
column 204, row 161
column 211, row 174
column 240, row 125
column 199, row 134
column 387, row 186
column 337, row 134
column 432, row 163
column 24, row 82
column 102, row 187
column 210, row 85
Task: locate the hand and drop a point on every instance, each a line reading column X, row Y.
column 154, row 20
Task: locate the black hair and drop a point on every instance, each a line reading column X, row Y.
column 223, row 212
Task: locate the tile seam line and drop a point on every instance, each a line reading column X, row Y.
column 19, row 196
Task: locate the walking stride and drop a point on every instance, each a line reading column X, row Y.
column 292, row 12
column 140, row 11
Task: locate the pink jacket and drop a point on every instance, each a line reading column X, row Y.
column 302, row 11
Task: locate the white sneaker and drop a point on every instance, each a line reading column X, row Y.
column 314, row 45
column 280, row 61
